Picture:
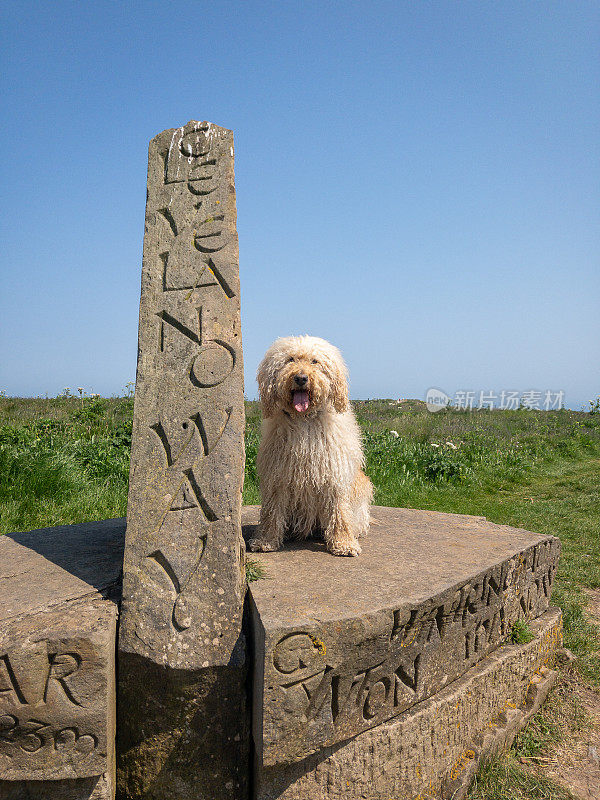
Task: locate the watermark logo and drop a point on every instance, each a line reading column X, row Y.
column 436, row 400
column 505, row 400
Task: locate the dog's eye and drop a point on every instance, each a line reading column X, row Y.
column 314, row 361
column 291, row 358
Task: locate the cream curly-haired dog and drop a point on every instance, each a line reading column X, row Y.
column 310, row 458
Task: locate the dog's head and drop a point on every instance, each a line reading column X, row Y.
column 302, row 375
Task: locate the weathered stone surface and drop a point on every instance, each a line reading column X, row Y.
column 433, row 749
column 182, row 716
column 97, row 788
column 61, row 562
column 57, row 643
column 343, row 645
column 183, row 573
column 56, row 675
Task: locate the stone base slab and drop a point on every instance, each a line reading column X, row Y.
column 58, row 619
column 433, row 749
column 344, row 645
column 97, row 788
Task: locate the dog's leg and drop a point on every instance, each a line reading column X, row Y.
column 271, row 529
column 339, row 538
column 361, row 499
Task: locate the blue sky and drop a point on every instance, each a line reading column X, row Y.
column 416, row 181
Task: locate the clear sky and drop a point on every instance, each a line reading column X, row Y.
column 417, row 182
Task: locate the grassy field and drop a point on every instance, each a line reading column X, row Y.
column 66, row 460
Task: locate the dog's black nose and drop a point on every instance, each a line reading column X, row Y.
column 301, row 380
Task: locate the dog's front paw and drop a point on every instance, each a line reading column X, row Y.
column 262, row 546
column 347, row 548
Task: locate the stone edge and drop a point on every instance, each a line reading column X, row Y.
column 500, row 737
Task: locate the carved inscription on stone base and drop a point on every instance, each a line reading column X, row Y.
column 432, row 749
column 344, row 646
column 54, row 686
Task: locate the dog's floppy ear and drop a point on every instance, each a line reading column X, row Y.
column 266, row 388
column 339, row 389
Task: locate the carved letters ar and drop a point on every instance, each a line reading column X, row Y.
column 36, row 687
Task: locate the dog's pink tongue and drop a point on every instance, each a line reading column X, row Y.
column 300, row 401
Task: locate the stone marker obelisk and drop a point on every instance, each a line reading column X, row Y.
column 182, row 722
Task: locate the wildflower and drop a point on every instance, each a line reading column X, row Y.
column 395, row 434
column 452, row 445
column 433, row 444
column 80, row 389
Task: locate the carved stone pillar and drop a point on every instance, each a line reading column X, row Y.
column 182, row 724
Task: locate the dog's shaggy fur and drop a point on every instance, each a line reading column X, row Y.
column 310, row 458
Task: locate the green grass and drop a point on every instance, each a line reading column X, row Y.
column 513, row 775
column 255, row 571
column 66, row 460
column 505, row 779
column 63, row 461
column 521, row 633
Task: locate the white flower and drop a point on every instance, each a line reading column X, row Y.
column 395, row 434
column 452, row 445
column 433, row 444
